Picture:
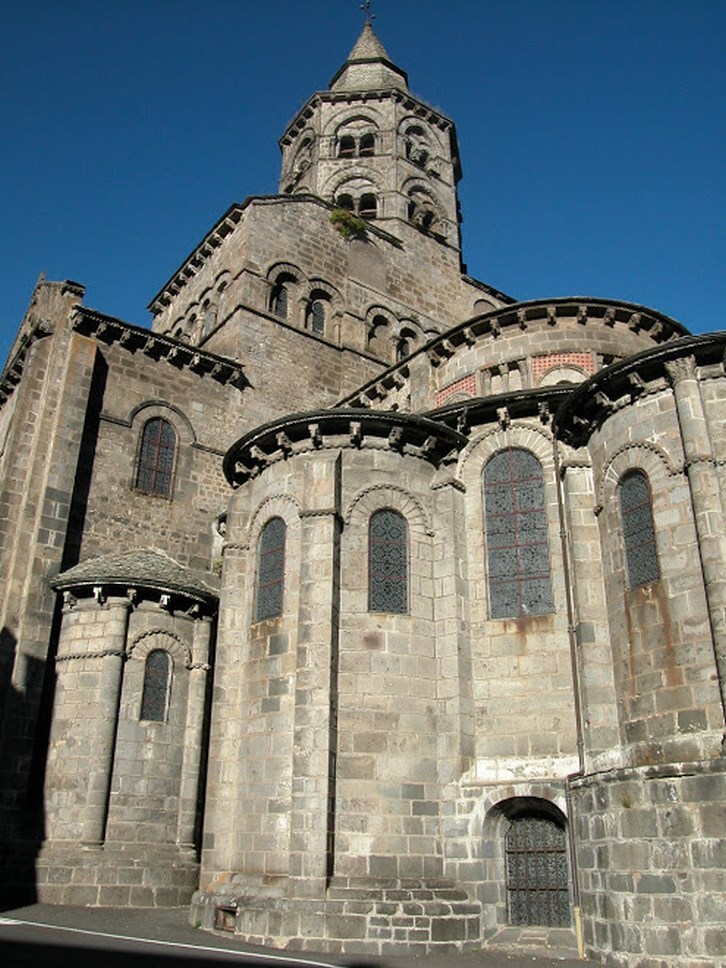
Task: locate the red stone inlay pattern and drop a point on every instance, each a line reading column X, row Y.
column 466, row 387
column 542, row 364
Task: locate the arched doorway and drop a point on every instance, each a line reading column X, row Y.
column 536, row 866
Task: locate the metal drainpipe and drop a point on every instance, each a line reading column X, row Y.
column 571, row 632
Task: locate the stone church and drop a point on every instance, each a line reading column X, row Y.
column 356, row 603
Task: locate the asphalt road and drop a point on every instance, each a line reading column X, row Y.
column 42, row 935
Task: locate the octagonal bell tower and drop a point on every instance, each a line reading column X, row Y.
column 369, row 146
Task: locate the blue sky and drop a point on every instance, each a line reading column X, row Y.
column 591, row 135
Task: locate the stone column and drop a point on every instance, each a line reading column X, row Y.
column 593, row 659
column 313, row 782
column 700, row 467
column 104, row 738
column 452, row 624
column 192, row 753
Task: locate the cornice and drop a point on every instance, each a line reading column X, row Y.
column 621, row 384
column 502, row 408
column 409, row 101
column 357, row 429
column 108, row 330
column 493, row 324
column 13, row 371
column 223, row 228
column 198, row 256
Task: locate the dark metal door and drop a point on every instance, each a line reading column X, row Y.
column 536, row 857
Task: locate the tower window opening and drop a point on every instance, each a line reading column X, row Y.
column 367, row 146
column 346, row 202
column 368, row 207
column 346, row 146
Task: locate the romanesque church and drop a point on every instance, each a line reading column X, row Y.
column 355, row 603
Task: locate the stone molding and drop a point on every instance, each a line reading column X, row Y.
column 491, row 325
column 405, row 434
column 621, row 384
column 182, row 355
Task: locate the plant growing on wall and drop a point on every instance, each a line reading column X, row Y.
column 350, row 226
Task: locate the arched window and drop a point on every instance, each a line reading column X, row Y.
column 270, row 570
column 157, row 686
column 316, row 316
column 368, row 207
column 155, row 468
column 346, row 202
column 209, row 312
column 278, row 303
column 516, row 531
column 636, row 511
column 346, row 146
column 367, row 146
column 388, row 562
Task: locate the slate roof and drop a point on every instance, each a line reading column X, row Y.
column 145, row 569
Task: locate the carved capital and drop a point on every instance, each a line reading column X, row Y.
column 683, row 368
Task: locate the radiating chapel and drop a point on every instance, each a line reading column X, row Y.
column 355, row 603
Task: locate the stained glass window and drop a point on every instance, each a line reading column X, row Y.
column 388, row 562
column 636, row 510
column 516, row 531
column 156, row 457
column 157, row 682
column 537, row 891
column 271, row 570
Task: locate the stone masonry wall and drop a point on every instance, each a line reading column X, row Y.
column 651, row 854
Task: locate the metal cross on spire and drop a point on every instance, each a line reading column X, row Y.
column 367, row 7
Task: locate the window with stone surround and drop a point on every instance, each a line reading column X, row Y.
column 517, row 540
column 157, row 686
column 157, row 453
column 388, row 562
column 636, row 512
column 270, row 570
column 317, row 312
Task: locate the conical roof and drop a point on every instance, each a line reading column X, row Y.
column 368, row 67
column 147, row 569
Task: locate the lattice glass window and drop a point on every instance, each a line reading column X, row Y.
column 316, row 316
column 157, row 686
column 279, row 301
column 271, row 570
column 516, row 531
column 155, row 468
column 388, row 562
column 536, row 857
column 636, row 511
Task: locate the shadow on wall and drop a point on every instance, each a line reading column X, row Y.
column 22, row 738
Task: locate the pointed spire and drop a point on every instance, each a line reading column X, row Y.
column 368, row 67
